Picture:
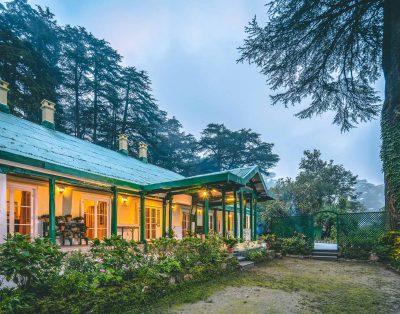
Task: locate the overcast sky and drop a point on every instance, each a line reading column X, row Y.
column 189, row 49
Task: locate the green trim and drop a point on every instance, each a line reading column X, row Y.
column 251, row 218
column 48, row 125
column 241, row 214
column 193, row 181
column 215, row 221
column 66, row 170
column 252, row 173
column 255, row 219
column 170, row 231
column 52, row 210
column 235, row 215
column 205, row 220
column 164, row 217
column 223, row 214
column 142, row 217
column 4, row 108
column 144, row 159
column 123, row 151
column 114, row 211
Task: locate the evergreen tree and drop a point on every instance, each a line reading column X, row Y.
column 29, row 49
column 104, row 72
column 226, row 149
column 176, row 150
column 75, row 87
column 331, row 52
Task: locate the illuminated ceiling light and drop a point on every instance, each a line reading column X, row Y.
column 124, row 199
column 61, row 189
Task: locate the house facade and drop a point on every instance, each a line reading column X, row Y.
column 65, row 188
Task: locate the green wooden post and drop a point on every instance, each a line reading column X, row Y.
column 255, row 218
column 241, row 214
column 142, row 217
column 235, row 215
column 251, row 218
column 229, row 223
column 170, row 231
column 223, row 214
column 114, row 211
column 195, row 220
column 164, row 217
column 52, row 210
column 205, row 221
column 215, row 221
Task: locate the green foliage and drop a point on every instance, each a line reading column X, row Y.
column 259, row 255
column 79, row 262
column 114, row 276
column 388, row 248
column 230, row 242
column 297, row 245
column 316, row 52
column 391, row 165
column 27, row 263
column 227, row 149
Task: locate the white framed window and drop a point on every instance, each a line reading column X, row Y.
column 185, row 221
column 152, row 222
column 96, row 212
column 21, row 209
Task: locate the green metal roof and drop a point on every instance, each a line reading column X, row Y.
column 33, row 144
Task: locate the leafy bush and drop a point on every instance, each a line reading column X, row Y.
column 259, row 255
column 79, row 262
column 115, row 276
column 360, row 243
column 26, row 263
column 230, row 242
column 388, row 249
column 297, row 244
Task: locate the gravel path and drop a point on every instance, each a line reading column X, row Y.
column 306, row 286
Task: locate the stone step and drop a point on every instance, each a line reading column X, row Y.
column 246, row 264
column 240, row 258
column 325, row 253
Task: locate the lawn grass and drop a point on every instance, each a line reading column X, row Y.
column 325, row 293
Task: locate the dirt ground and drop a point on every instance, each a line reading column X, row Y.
column 304, row 286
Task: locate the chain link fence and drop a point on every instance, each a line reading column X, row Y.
column 357, row 234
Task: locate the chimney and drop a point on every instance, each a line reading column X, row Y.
column 3, row 97
column 48, row 109
column 143, row 152
column 123, row 144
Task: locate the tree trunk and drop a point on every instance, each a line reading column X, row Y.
column 77, row 113
column 126, row 105
column 95, row 104
column 390, row 152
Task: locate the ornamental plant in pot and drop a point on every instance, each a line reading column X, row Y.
column 44, row 218
column 230, row 243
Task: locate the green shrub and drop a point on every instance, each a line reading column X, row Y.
column 114, row 276
column 25, row 262
column 258, row 255
column 79, row 262
column 297, row 244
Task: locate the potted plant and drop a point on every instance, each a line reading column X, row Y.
column 68, row 218
column 230, row 243
column 44, row 218
column 79, row 219
column 61, row 225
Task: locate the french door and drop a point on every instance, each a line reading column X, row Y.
column 185, row 222
column 20, row 210
column 96, row 213
column 152, row 226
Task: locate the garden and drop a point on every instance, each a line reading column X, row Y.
column 118, row 276
column 114, row 276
